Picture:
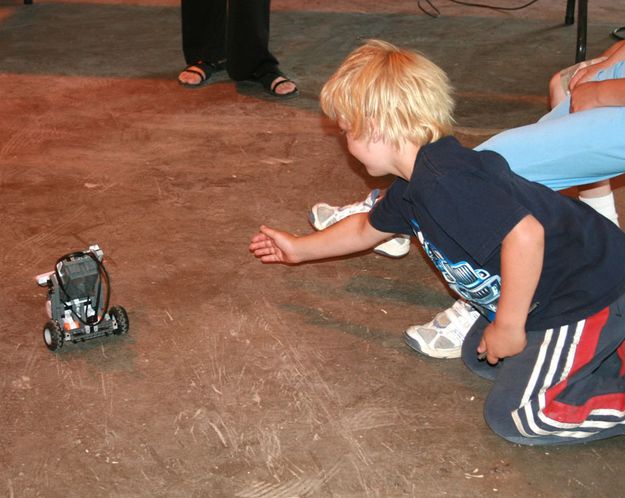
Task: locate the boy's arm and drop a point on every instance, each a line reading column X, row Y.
column 522, row 254
column 350, row 235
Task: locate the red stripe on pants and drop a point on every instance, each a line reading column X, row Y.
column 584, row 352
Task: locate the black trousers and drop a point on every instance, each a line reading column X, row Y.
column 235, row 30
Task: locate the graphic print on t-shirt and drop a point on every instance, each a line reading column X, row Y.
column 475, row 285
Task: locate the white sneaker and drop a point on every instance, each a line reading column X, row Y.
column 394, row 248
column 443, row 336
column 323, row 215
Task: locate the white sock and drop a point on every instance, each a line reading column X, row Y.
column 603, row 205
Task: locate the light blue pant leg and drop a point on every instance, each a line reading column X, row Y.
column 563, row 150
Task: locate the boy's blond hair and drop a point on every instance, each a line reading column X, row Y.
column 383, row 92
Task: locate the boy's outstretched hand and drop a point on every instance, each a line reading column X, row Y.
column 273, row 246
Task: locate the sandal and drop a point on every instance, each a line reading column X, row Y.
column 204, row 70
column 267, row 81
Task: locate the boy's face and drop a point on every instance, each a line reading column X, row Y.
column 374, row 153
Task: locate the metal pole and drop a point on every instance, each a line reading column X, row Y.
column 570, row 12
column 582, row 30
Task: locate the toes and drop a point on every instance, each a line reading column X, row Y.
column 284, row 88
column 192, row 77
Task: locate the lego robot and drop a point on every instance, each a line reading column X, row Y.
column 76, row 306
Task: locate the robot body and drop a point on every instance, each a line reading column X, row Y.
column 76, row 306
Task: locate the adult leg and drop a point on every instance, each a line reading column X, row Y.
column 248, row 45
column 203, row 30
column 598, row 195
column 564, row 150
column 566, row 387
column 248, row 39
column 576, row 149
column 203, row 37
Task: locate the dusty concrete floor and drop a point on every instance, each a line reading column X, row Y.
column 239, row 379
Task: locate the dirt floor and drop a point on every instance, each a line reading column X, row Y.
column 239, row 379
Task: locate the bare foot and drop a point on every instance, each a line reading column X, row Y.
column 284, row 88
column 187, row 77
column 199, row 73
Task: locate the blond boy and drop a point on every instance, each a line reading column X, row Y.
column 544, row 270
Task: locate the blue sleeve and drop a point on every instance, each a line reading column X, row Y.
column 386, row 215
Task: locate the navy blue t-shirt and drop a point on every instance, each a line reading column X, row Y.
column 461, row 204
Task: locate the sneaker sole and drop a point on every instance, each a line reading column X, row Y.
column 388, row 254
column 427, row 351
